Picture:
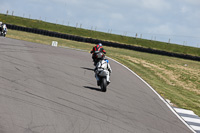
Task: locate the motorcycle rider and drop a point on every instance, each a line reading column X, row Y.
column 103, row 64
column 4, row 27
column 96, row 49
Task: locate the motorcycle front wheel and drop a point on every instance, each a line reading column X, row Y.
column 103, row 85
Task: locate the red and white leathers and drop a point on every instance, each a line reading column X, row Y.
column 97, row 48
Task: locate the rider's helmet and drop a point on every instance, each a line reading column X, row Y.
column 100, row 44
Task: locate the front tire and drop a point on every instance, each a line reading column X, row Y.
column 103, row 85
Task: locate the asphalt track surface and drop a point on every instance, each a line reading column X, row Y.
column 46, row 89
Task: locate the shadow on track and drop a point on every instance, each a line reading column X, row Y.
column 92, row 88
column 87, row 68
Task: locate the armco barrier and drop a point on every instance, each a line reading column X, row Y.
column 106, row 43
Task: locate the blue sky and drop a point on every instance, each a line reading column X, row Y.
column 161, row 20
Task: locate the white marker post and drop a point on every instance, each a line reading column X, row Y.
column 54, row 43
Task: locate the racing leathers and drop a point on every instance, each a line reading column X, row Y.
column 97, row 49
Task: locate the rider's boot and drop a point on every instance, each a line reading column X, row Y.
column 97, row 78
column 108, row 79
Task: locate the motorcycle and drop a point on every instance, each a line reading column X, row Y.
column 103, row 83
column 102, row 74
column 97, row 57
column 3, row 33
column 3, row 29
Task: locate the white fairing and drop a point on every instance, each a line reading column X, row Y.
column 4, row 26
column 103, row 70
column 104, row 65
column 103, row 73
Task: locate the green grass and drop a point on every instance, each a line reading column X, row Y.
column 99, row 35
column 169, row 76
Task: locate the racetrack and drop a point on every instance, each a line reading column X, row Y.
column 46, row 89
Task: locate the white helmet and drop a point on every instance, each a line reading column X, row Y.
column 100, row 44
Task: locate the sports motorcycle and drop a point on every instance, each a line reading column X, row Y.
column 98, row 57
column 102, row 82
column 3, row 32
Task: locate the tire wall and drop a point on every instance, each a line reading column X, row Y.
column 95, row 41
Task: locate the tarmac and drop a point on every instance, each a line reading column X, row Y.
column 45, row 89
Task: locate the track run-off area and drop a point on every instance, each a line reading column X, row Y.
column 45, row 89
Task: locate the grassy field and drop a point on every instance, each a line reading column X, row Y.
column 99, row 35
column 175, row 79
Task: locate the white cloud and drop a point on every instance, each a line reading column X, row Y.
column 157, row 5
column 184, row 9
column 193, row 2
column 116, row 16
column 161, row 29
column 4, row 7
